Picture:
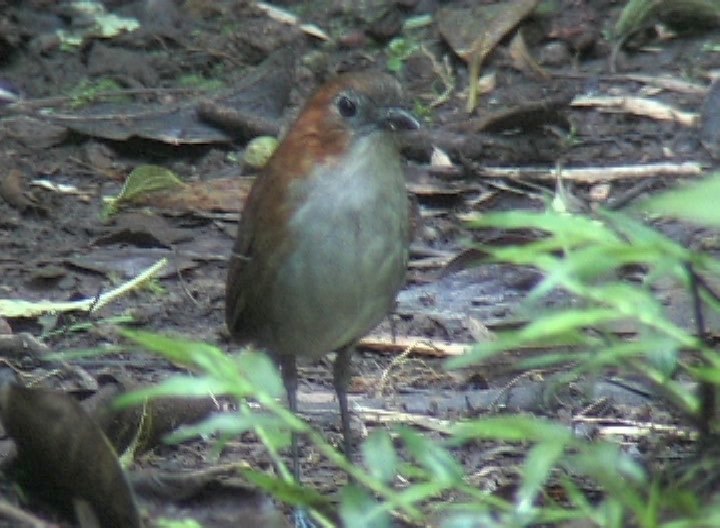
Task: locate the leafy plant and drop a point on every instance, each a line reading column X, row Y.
column 399, row 50
column 585, row 256
column 251, row 375
column 143, row 180
column 199, row 81
column 87, row 91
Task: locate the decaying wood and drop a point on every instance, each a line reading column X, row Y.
column 597, row 174
column 641, row 106
column 21, row 345
column 436, row 411
column 417, row 345
column 20, row 517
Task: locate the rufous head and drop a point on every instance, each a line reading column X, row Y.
column 347, row 107
column 359, row 103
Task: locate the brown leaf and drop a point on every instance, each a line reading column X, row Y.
column 522, row 60
column 221, row 492
column 260, row 96
column 32, row 132
column 12, row 189
column 473, row 32
column 145, row 425
column 220, row 195
column 65, row 455
column 710, row 127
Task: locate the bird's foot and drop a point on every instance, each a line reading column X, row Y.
column 302, row 519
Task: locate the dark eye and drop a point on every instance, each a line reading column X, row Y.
column 346, row 106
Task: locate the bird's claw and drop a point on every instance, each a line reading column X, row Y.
column 302, row 519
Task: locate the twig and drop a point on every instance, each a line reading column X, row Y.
column 664, row 82
column 382, row 416
column 639, row 106
column 598, row 174
column 184, row 286
column 444, row 71
column 415, row 345
column 24, row 105
column 707, row 390
column 19, row 308
column 19, row 517
column 509, row 385
column 395, row 362
column 620, row 427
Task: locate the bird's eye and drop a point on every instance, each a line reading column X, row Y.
column 346, row 106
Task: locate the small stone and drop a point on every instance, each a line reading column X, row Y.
column 554, row 53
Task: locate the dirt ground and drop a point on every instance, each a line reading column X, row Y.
column 196, row 80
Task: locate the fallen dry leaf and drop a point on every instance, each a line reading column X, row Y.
column 225, row 195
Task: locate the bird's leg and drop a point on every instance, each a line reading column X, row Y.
column 393, row 329
column 341, row 379
column 288, row 367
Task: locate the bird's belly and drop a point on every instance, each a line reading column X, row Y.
column 345, row 268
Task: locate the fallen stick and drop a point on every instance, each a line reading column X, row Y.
column 639, row 106
column 20, row 308
column 597, row 174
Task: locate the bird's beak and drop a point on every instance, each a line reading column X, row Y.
column 396, row 118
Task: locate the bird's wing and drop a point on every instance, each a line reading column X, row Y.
column 260, row 244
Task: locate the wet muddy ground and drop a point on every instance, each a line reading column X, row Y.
column 194, row 81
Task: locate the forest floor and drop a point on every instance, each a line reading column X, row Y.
column 94, row 109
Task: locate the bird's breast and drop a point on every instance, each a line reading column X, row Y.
column 349, row 251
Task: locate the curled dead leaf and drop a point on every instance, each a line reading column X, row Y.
column 65, row 456
column 12, row 190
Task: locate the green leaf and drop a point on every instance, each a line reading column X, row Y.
column 232, row 424
column 634, row 16
column 694, row 202
column 289, row 492
column 259, row 150
column 663, row 355
column 561, row 323
column 177, row 386
column 444, row 470
column 379, row 455
column 360, row 510
column 247, row 374
column 394, row 64
column 571, row 229
column 577, row 497
column 614, row 353
column 416, row 22
column 613, row 469
column 640, row 14
column 623, row 479
column 177, row 523
column 709, row 374
column 539, row 462
column 635, row 232
column 261, row 372
column 512, row 429
column 469, row 519
column 140, row 182
column 422, row 489
column 148, row 179
column 176, row 349
column 515, row 339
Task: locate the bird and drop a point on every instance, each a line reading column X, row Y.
column 322, row 243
